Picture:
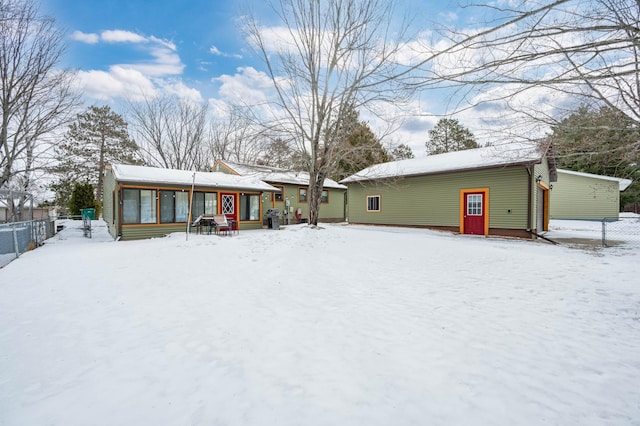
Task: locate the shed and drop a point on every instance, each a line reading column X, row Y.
column 294, row 187
column 496, row 190
column 586, row 196
column 144, row 202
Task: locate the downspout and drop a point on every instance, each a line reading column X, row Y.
column 529, row 199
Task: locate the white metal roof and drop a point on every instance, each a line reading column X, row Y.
column 158, row 175
column 486, row 157
column 276, row 175
column 624, row 183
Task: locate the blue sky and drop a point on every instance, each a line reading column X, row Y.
column 196, row 49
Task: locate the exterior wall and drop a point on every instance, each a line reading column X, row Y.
column 109, row 206
column 585, row 198
column 333, row 211
column 434, row 200
column 111, row 211
column 540, row 204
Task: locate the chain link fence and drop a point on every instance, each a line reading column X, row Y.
column 625, row 230
column 18, row 237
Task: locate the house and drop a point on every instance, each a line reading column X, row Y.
column 586, row 196
column 144, row 202
column 497, row 190
column 291, row 201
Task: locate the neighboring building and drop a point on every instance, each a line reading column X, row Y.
column 586, row 196
column 294, row 188
column 143, row 202
column 502, row 190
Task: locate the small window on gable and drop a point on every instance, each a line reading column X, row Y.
column 373, row 203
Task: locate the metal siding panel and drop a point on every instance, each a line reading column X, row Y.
column 434, row 200
column 582, row 197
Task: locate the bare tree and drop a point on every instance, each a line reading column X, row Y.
column 334, row 55
column 171, row 132
column 236, row 137
column 35, row 98
column 583, row 48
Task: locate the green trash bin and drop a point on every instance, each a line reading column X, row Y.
column 88, row 213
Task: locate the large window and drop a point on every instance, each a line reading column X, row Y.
column 324, row 198
column 373, row 203
column 302, row 195
column 249, row 206
column 138, row 205
column 174, row 206
column 205, row 203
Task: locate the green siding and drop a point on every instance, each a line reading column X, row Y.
column 434, row 200
column 583, row 197
column 333, row 210
column 108, row 213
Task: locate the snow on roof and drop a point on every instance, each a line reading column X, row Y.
column 624, row 183
column 277, row 175
column 470, row 159
column 144, row 174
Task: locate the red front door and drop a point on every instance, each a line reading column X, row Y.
column 474, row 213
column 228, row 206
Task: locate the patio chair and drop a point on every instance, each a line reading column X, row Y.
column 221, row 224
column 197, row 223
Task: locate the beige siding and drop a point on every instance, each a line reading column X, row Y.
column 583, row 197
column 434, row 200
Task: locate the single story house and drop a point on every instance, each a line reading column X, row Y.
column 144, row 202
column 291, row 200
column 586, row 196
column 496, row 190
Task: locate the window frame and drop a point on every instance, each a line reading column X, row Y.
column 139, row 206
column 275, row 195
column 306, row 194
column 246, row 204
column 323, row 199
column 368, row 203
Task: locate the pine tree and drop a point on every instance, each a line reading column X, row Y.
column 98, row 137
column 82, row 197
column 449, row 135
column 402, row 152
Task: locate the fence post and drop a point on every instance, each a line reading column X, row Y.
column 604, row 232
column 15, row 240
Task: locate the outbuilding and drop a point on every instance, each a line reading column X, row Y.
column 496, row 190
column 292, row 199
column 586, row 196
column 144, row 202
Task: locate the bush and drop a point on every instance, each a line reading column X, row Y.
column 82, row 197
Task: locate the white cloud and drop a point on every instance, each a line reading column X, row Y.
column 248, row 85
column 121, row 36
column 181, row 90
column 118, row 82
column 217, row 52
column 89, row 38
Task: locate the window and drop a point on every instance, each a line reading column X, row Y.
column 249, row 206
column 474, row 204
column 138, row 206
column 205, row 203
column 278, row 196
column 324, row 198
column 302, row 195
column 174, row 206
column 373, row 203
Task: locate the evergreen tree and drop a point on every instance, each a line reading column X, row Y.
column 603, row 141
column 82, row 197
column 402, row 152
column 98, row 137
column 449, row 135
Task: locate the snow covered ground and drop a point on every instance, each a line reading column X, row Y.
column 345, row 325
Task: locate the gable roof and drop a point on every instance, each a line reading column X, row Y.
column 623, row 183
column 143, row 174
column 274, row 174
column 471, row 159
